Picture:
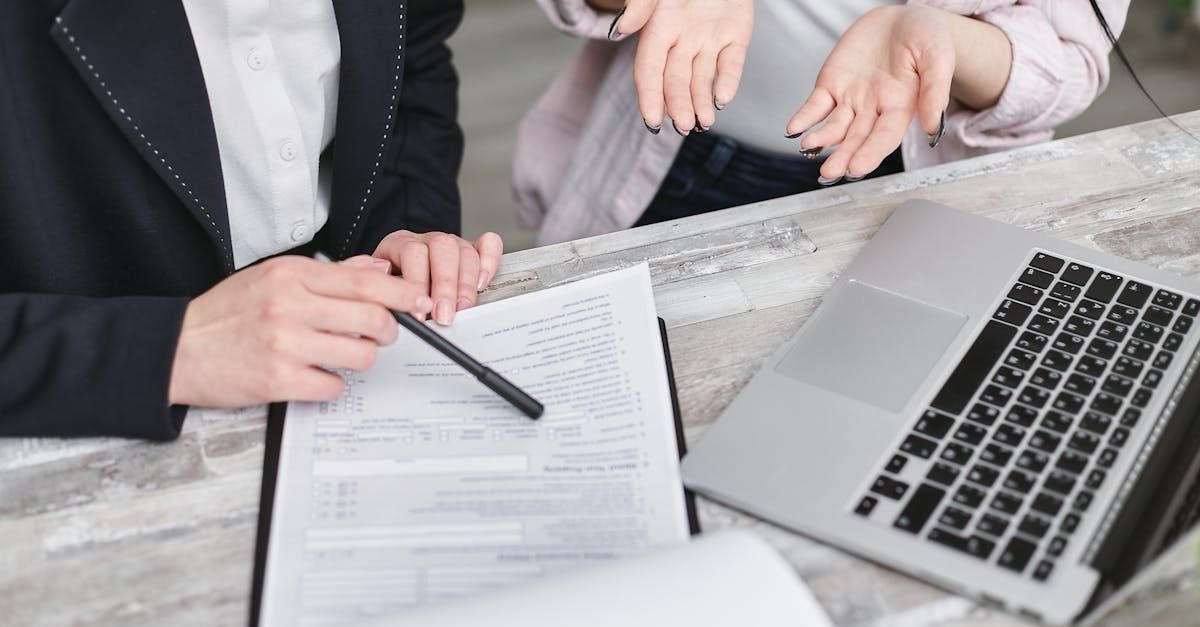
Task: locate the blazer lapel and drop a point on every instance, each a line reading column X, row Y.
column 372, row 44
column 139, row 60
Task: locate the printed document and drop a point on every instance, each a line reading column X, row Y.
column 420, row 485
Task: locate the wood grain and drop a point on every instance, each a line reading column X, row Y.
column 111, row 531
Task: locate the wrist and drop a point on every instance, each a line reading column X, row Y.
column 983, row 62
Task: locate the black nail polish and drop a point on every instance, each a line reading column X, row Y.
column 852, row 179
column 811, row 153
column 795, row 135
column 681, row 133
column 654, row 130
column 936, row 138
column 717, row 105
column 613, row 27
column 699, row 128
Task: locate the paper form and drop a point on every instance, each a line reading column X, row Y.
column 420, row 485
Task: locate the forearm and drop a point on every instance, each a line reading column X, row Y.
column 984, row 60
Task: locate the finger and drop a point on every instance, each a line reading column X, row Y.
column 338, row 281
column 649, row 63
column 368, row 262
column 490, row 246
column 832, row 132
column 443, row 274
column 468, row 276
column 835, row 165
column 704, row 73
column 308, row 383
column 885, row 137
column 730, row 62
column 330, row 350
column 634, row 16
column 936, row 71
column 677, row 80
column 349, row 317
column 819, row 105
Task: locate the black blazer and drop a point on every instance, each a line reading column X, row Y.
column 112, row 205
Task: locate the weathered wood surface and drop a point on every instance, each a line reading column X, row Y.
column 111, row 531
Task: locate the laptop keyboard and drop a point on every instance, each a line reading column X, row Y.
column 1026, row 428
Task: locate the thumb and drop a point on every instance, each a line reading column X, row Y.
column 935, row 71
column 632, row 18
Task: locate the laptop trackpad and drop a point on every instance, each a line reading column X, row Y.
column 871, row 345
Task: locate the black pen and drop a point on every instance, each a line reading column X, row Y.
column 496, row 383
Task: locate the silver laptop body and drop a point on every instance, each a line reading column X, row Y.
column 903, row 361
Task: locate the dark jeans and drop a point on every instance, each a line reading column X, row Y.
column 713, row 172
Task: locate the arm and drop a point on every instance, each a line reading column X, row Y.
column 74, row 366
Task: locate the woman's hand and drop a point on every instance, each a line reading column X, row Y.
column 689, row 57
column 893, row 63
column 451, row 270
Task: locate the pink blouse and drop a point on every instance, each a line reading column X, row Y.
column 585, row 165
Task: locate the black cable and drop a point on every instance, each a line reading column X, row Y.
column 1129, row 66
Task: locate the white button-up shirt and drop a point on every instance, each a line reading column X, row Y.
column 271, row 69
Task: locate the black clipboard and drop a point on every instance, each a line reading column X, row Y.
column 266, row 502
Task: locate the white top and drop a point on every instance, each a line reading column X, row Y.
column 792, row 39
column 271, row 69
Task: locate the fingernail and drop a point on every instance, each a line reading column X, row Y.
column 718, row 105
column 484, row 279
column 851, row 178
column 443, row 312
column 613, row 28
column 381, row 265
column 681, row 133
column 794, row 135
column 936, row 138
column 654, row 130
column 827, row 182
column 463, row 304
column 811, row 153
column 423, row 305
column 699, row 128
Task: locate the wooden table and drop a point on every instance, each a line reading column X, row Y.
column 108, row 531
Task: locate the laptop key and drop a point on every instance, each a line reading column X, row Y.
column 1084, row 442
column 1080, row 384
column 1016, row 554
column 1082, row 501
column 983, row 414
column 954, row 518
column 1069, row 523
column 1096, row 422
column 1047, row 504
column 1106, row 403
column 1054, row 308
column 1183, row 324
column 996, row 395
column 1046, row 378
column 1056, row 546
column 1006, row 503
column 1192, row 308
column 992, row 525
column 1102, row 348
column 1104, row 287
column 1152, row 378
column 1077, row 274
column 957, row 453
column 1089, row 309
column 983, row 475
column 974, row 367
column 1119, row 437
column 995, row 454
column 1057, row 360
column 974, row 546
column 1094, row 479
column 1106, row 458
column 1025, row 294
column 1162, row 360
column 1123, row 315
column 1019, row 482
column 1134, row 295
column 919, row 508
column 1068, row 343
column 1148, row 332
column 1032, row 461
column 1050, row 264
column 896, row 464
column 1041, row 323
column 1091, row 365
column 1158, row 315
column 969, row 496
column 1072, row 461
column 1008, row 377
column 1065, row 291
column 934, row 424
column 943, row 473
column 1170, row 300
column 1034, row 396
column 1057, row 421
column 1116, row 384
column 919, row 446
column 1060, row 482
column 970, row 433
column 887, row 487
column 1112, row 331
column 1009, row 434
column 1021, row 415
column 1032, row 342
column 1034, row 526
column 1068, row 402
column 1045, row 441
column 1140, row 398
column 1080, row 326
column 1139, row 350
column 1130, row 417
column 1012, row 312
column 1042, row 571
column 866, row 506
column 1127, row 367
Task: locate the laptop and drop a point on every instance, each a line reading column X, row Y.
column 1000, row 413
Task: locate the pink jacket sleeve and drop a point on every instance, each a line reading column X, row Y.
column 1060, row 65
column 577, row 19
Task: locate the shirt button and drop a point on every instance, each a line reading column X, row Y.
column 288, row 150
column 299, row 232
column 257, row 59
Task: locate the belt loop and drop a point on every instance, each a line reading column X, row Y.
column 720, row 156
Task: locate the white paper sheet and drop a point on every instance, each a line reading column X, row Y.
column 730, row 578
column 420, row 485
